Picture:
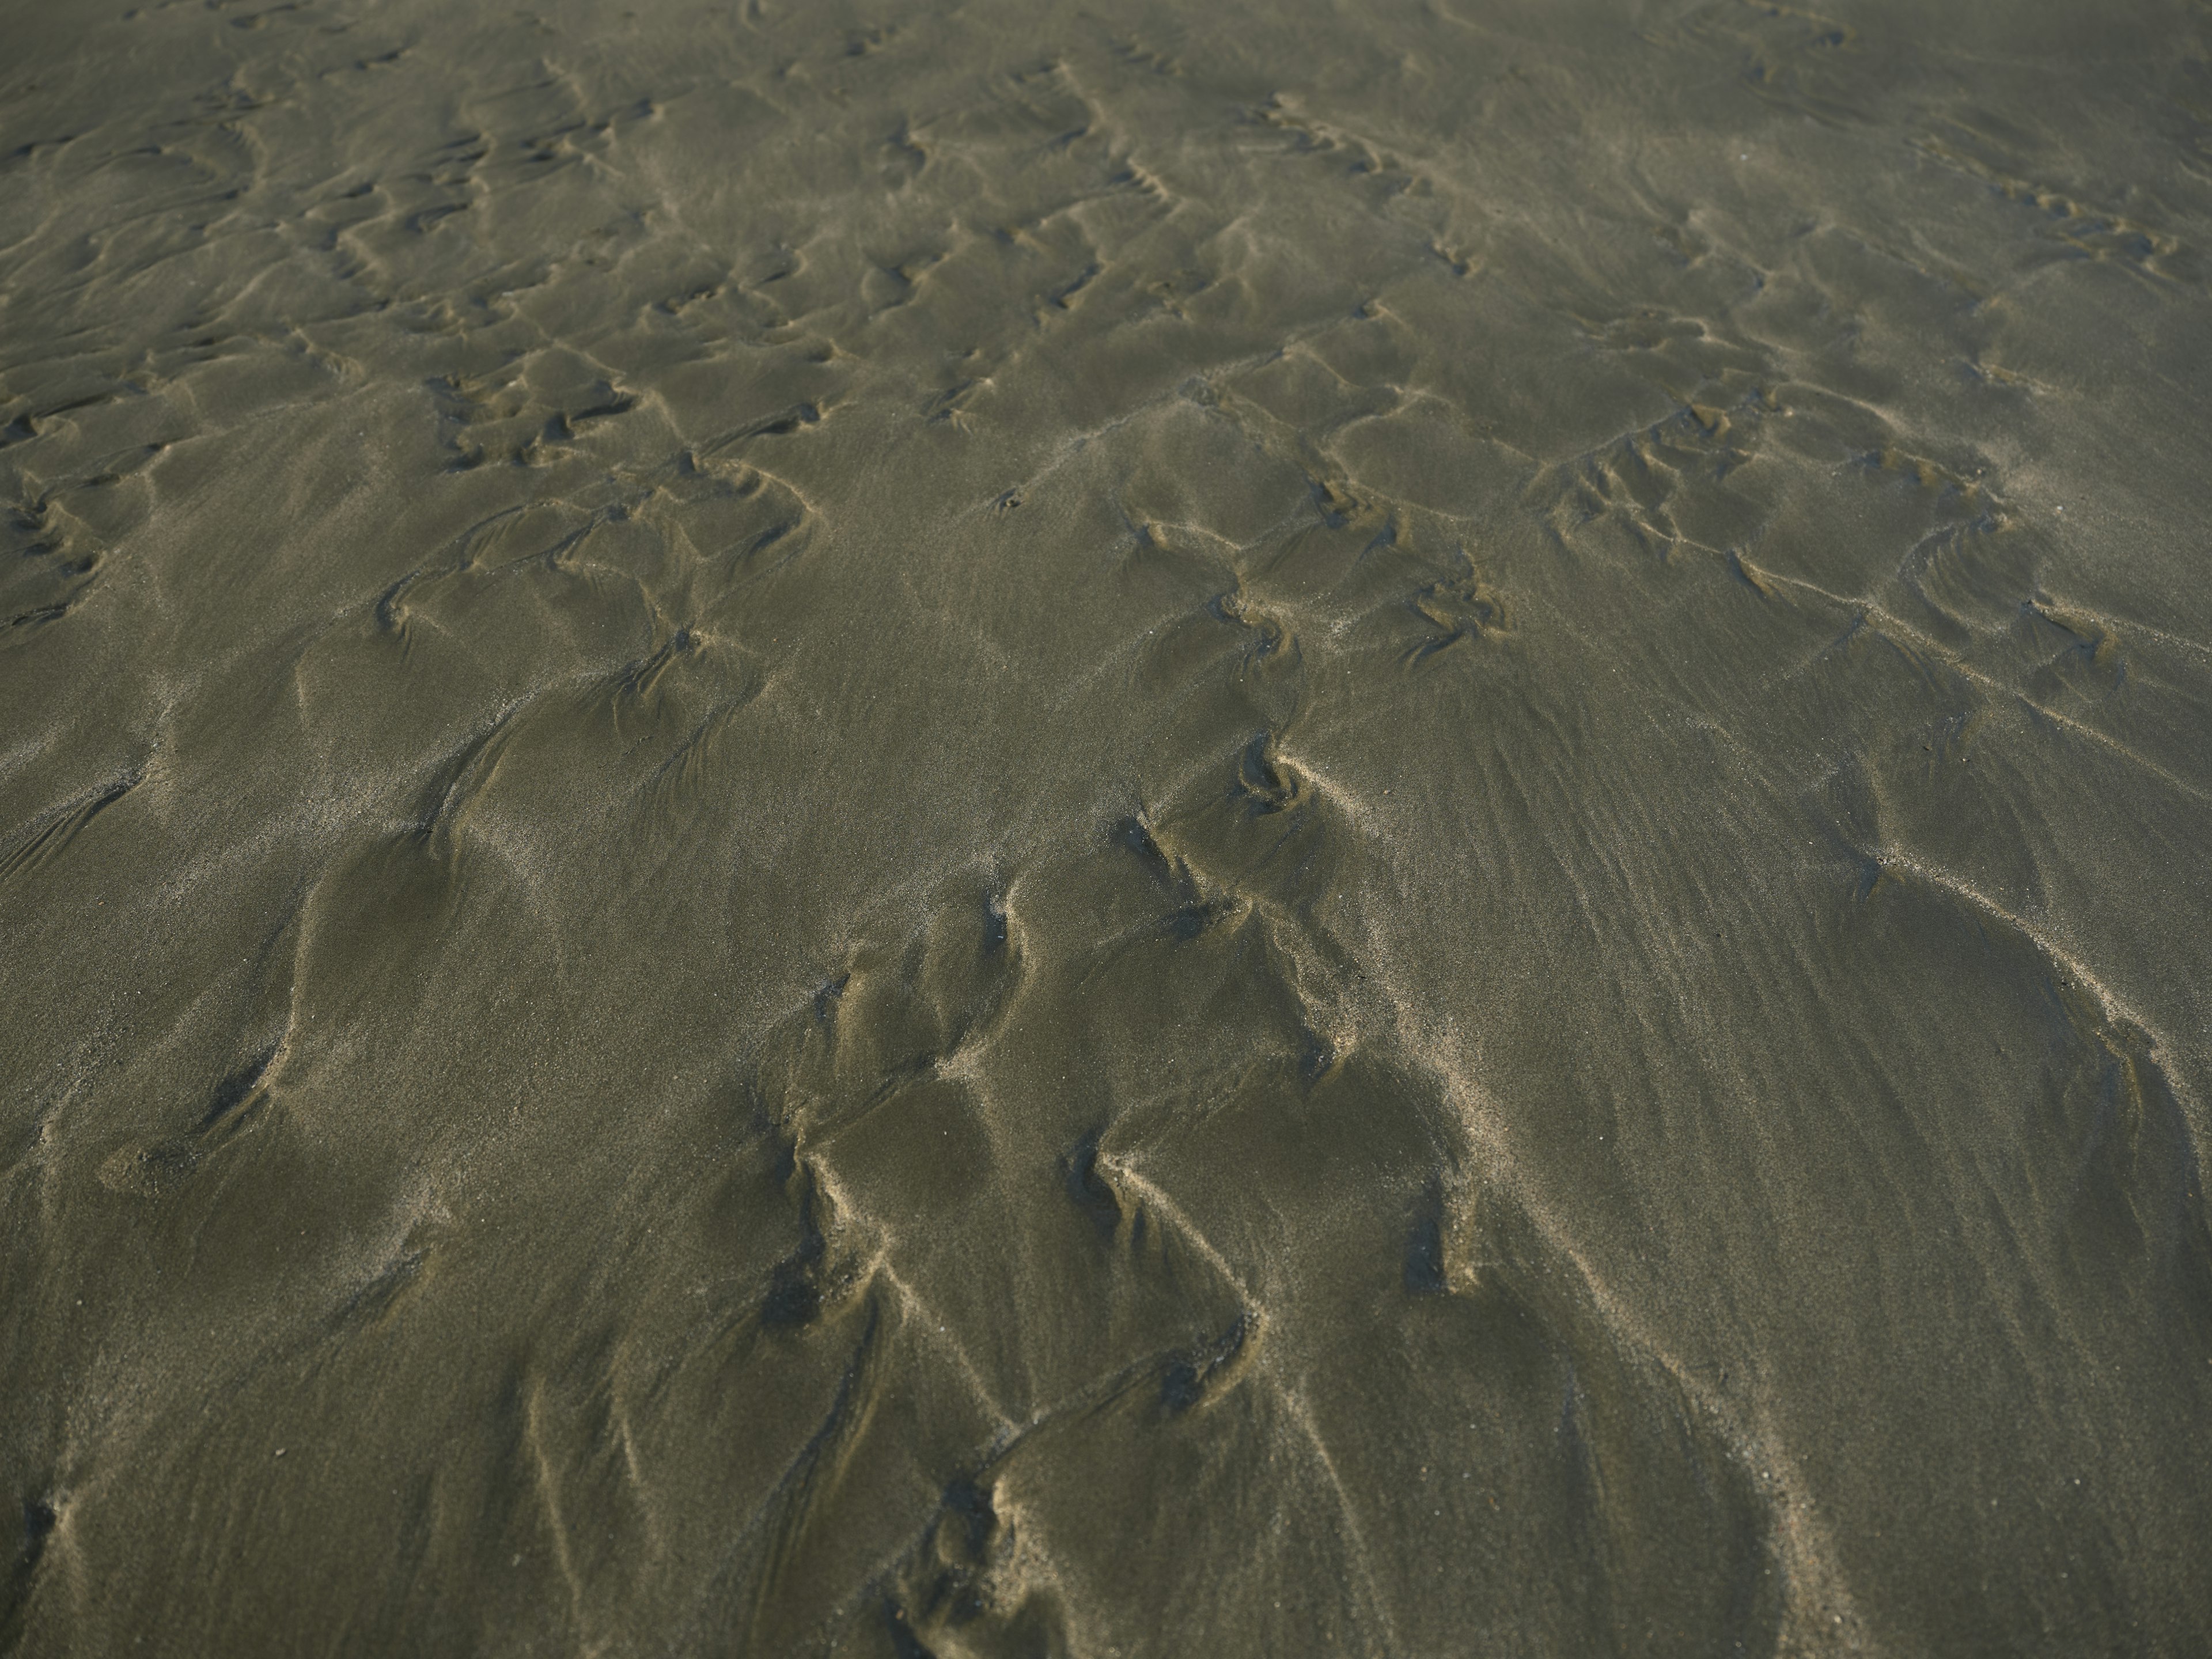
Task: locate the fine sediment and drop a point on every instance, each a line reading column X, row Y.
column 1009, row 829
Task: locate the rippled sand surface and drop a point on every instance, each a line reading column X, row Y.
column 1012, row 829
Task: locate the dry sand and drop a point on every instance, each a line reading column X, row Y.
column 1019, row 828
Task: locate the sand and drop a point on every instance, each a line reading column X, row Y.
column 1015, row 829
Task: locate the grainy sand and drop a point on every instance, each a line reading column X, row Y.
column 1015, row 829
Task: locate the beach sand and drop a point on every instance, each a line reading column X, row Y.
column 1135, row 829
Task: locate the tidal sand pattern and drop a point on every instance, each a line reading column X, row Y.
column 1011, row 828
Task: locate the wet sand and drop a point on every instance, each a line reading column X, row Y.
column 1140, row 829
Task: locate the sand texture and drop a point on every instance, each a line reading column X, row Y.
column 1016, row 829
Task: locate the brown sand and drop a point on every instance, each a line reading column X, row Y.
column 1014, row 829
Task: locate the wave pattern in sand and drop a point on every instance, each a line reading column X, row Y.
column 1004, row 828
